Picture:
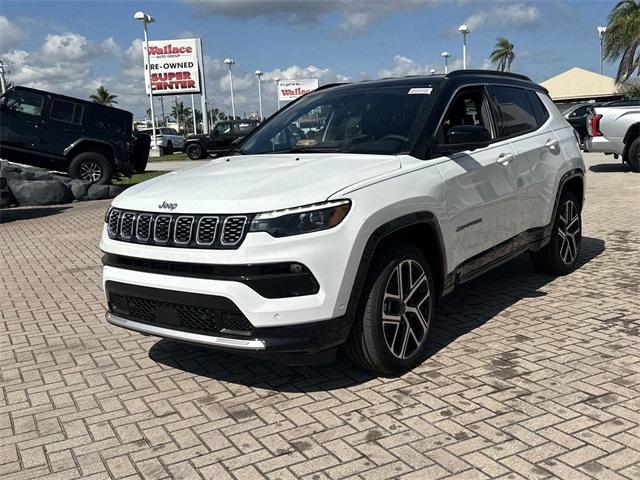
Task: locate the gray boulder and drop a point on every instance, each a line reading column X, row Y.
column 80, row 189
column 40, row 192
column 100, row 192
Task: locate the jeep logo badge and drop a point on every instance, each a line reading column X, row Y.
column 168, row 206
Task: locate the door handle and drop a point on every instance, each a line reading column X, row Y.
column 551, row 143
column 505, row 158
column 34, row 124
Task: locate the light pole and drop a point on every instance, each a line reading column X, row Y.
column 259, row 78
column 601, row 31
column 464, row 30
column 145, row 19
column 230, row 62
column 277, row 80
column 446, row 56
column 432, row 71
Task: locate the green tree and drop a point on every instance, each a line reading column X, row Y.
column 622, row 38
column 103, row 97
column 181, row 114
column 502, row 55
column 630, row 90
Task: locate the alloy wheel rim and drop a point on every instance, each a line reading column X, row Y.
column 406, row 309
column 569, row 232
column 90, row 171
column 196, row 151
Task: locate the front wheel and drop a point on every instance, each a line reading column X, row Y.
column 389, row 335
column 92, row 167
column 560, row 255
column 194, row 151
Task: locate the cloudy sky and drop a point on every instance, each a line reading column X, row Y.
column 73, row 46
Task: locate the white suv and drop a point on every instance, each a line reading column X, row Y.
column 169, row 140
column 348, row 232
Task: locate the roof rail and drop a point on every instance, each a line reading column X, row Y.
column 459, row 73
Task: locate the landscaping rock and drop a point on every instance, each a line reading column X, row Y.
column 80, row 189
column 40, row 192
column 100, row 192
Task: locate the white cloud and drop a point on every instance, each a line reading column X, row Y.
column 66, row 47
column 356, row 15
column 10, row 34
column 504, row 15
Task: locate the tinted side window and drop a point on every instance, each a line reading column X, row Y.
column 541, row 112
column 467, row 108
column 242, row 128
column 515, row 112
column 64, row 111
column 108, row 121
column 25, row 102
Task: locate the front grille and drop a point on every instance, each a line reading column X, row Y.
column 189, row 318
column 193, row 231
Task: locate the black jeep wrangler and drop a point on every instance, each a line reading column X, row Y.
column 90, row 141
column 219, row 141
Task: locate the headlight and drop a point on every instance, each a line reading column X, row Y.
column 294, row 221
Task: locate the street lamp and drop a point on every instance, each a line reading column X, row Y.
column 277, row 80
column 464, row 30
column 146, row 19
column 259, row 78
column 432, row 71
column 601, row 31
column 446, row 56
column 230, row 62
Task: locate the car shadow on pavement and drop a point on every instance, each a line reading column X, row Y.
column 457, row 314
column 11, row 214
column 610, row 168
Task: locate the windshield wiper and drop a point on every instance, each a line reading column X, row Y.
column 308, row 150
column 239, row 150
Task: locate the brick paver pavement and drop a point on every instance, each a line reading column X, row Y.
column 529, row 376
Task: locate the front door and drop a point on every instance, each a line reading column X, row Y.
column 21, row 122
column 62, row 126
column 480, row 185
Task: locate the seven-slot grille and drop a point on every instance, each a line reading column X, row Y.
column 176, row 230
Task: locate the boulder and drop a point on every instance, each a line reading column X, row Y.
column 6, row 197
column 100, row 192
column 40, row 192
column 80, row 189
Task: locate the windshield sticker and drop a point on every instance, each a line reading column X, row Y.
column 420, row 91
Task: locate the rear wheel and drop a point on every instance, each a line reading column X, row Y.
column 169, row 149
column 389, row 335
column 92, row 167
column 194, row 151
column 560, row 255
column 633, row 156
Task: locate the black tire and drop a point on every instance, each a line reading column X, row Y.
column 560, row 256
column 91, row 166
column 372, row 345
column 195, row 151
column 633, row 155
column 169, row 149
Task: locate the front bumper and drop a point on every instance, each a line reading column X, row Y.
column 213, row 321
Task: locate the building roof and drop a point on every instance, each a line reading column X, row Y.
column 580, row 84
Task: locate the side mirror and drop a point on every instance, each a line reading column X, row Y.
column 465, row 137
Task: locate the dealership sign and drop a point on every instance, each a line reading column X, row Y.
column 291, row 89
column 175, row 68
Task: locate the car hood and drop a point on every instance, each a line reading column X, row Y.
column 254, row 183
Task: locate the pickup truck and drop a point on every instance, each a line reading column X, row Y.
column 615, row 129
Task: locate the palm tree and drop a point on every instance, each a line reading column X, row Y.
column 103, row 97
column 622, row 38
column 502, row 54
column 180, row 113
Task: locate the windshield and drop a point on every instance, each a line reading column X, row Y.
column 376, row 120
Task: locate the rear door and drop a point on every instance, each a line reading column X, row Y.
column 479, row 184
column 525, row 122
column 62, row 124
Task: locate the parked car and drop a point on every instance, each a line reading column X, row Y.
column 168, row 139
column 614, row 128
column 576, row 115
column 219, row 141
column 348, row 233
column 89, row 141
